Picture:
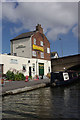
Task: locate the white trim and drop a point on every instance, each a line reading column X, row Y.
column 41, row 43
column 48, row 50
column 42, row 55
column 34, row 53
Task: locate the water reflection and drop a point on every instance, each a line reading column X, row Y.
column 44, row 103
column 66, row 96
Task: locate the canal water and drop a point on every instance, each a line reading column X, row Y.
column 47, row 103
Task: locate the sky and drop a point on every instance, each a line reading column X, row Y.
column 59, row 21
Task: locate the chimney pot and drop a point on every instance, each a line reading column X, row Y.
column 39, row 28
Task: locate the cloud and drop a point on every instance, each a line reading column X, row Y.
column 0, row 10
column 55, row 32
column 55, row 17
column 40, row 0
column 75, row 31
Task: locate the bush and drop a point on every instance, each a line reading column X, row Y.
column 21, row 76
column 30, row 77
column 17, row 76
column 9, row 75
column 4, row 75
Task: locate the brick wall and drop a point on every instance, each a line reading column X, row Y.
column 58, row 64
column 41, row 37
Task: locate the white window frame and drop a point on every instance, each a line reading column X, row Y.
column 42, row 55
column 34, row 53
column 41, row 43
column 48, row 50
column 34, row 41
column 48, row 69
column 33, row 67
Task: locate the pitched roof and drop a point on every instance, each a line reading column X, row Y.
column 24, row 35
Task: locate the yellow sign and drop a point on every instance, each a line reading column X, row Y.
column 41, row 65
column 38, row 48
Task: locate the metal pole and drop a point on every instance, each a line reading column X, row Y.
column 61, row 46
column 36, row 62
column 36, row 66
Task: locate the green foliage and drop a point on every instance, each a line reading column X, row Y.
column 9, row 75
column 21, row 76
column 30, row 77
column 17, row 76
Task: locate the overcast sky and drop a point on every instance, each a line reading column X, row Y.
column 58, row 19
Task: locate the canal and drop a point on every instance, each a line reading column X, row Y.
column 44, row 103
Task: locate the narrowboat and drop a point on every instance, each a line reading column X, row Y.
column 64, row 77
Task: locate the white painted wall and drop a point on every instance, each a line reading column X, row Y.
column 27, row 50
column 20, row 61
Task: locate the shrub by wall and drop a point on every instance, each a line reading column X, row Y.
column 14, row 76
column 9, row 75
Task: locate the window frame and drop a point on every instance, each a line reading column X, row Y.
column 41, row 43
column 24, row 66
column 33, row 67
column 48, row 50
column 34, row 54
column 34, row 41
column 42, row 54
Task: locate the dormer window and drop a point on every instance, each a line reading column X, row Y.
column 34, row 41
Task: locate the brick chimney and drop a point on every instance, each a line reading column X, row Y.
column 39, row 28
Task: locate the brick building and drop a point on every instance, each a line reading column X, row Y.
column 30, row 54
column 31, row 45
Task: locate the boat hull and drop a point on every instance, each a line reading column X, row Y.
column 62, row 82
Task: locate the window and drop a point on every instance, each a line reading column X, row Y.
column 48, row 50
column 15, row 54
column 24, row 67
column 33, row 67
column 41, row 43
column 34, row 41
column 42, row 55
column 49, row 69
column 28, row 61
column 34, row 53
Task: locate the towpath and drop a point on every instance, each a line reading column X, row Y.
column 15, row 85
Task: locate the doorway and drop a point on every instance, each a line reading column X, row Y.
column 1, row 70
column 29, row 71
column 41, row 69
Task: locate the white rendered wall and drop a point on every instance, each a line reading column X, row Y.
column 26, row 51
column 6, row 60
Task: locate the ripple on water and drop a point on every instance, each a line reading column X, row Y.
column 44, row 103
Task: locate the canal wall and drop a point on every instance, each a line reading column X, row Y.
column 25, row 87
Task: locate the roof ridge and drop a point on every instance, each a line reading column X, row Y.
column 24, row 35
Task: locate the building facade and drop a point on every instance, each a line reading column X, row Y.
column 30, row 54
column 31, row 45
column 27, row 66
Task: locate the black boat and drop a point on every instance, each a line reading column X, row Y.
column 64, row 77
